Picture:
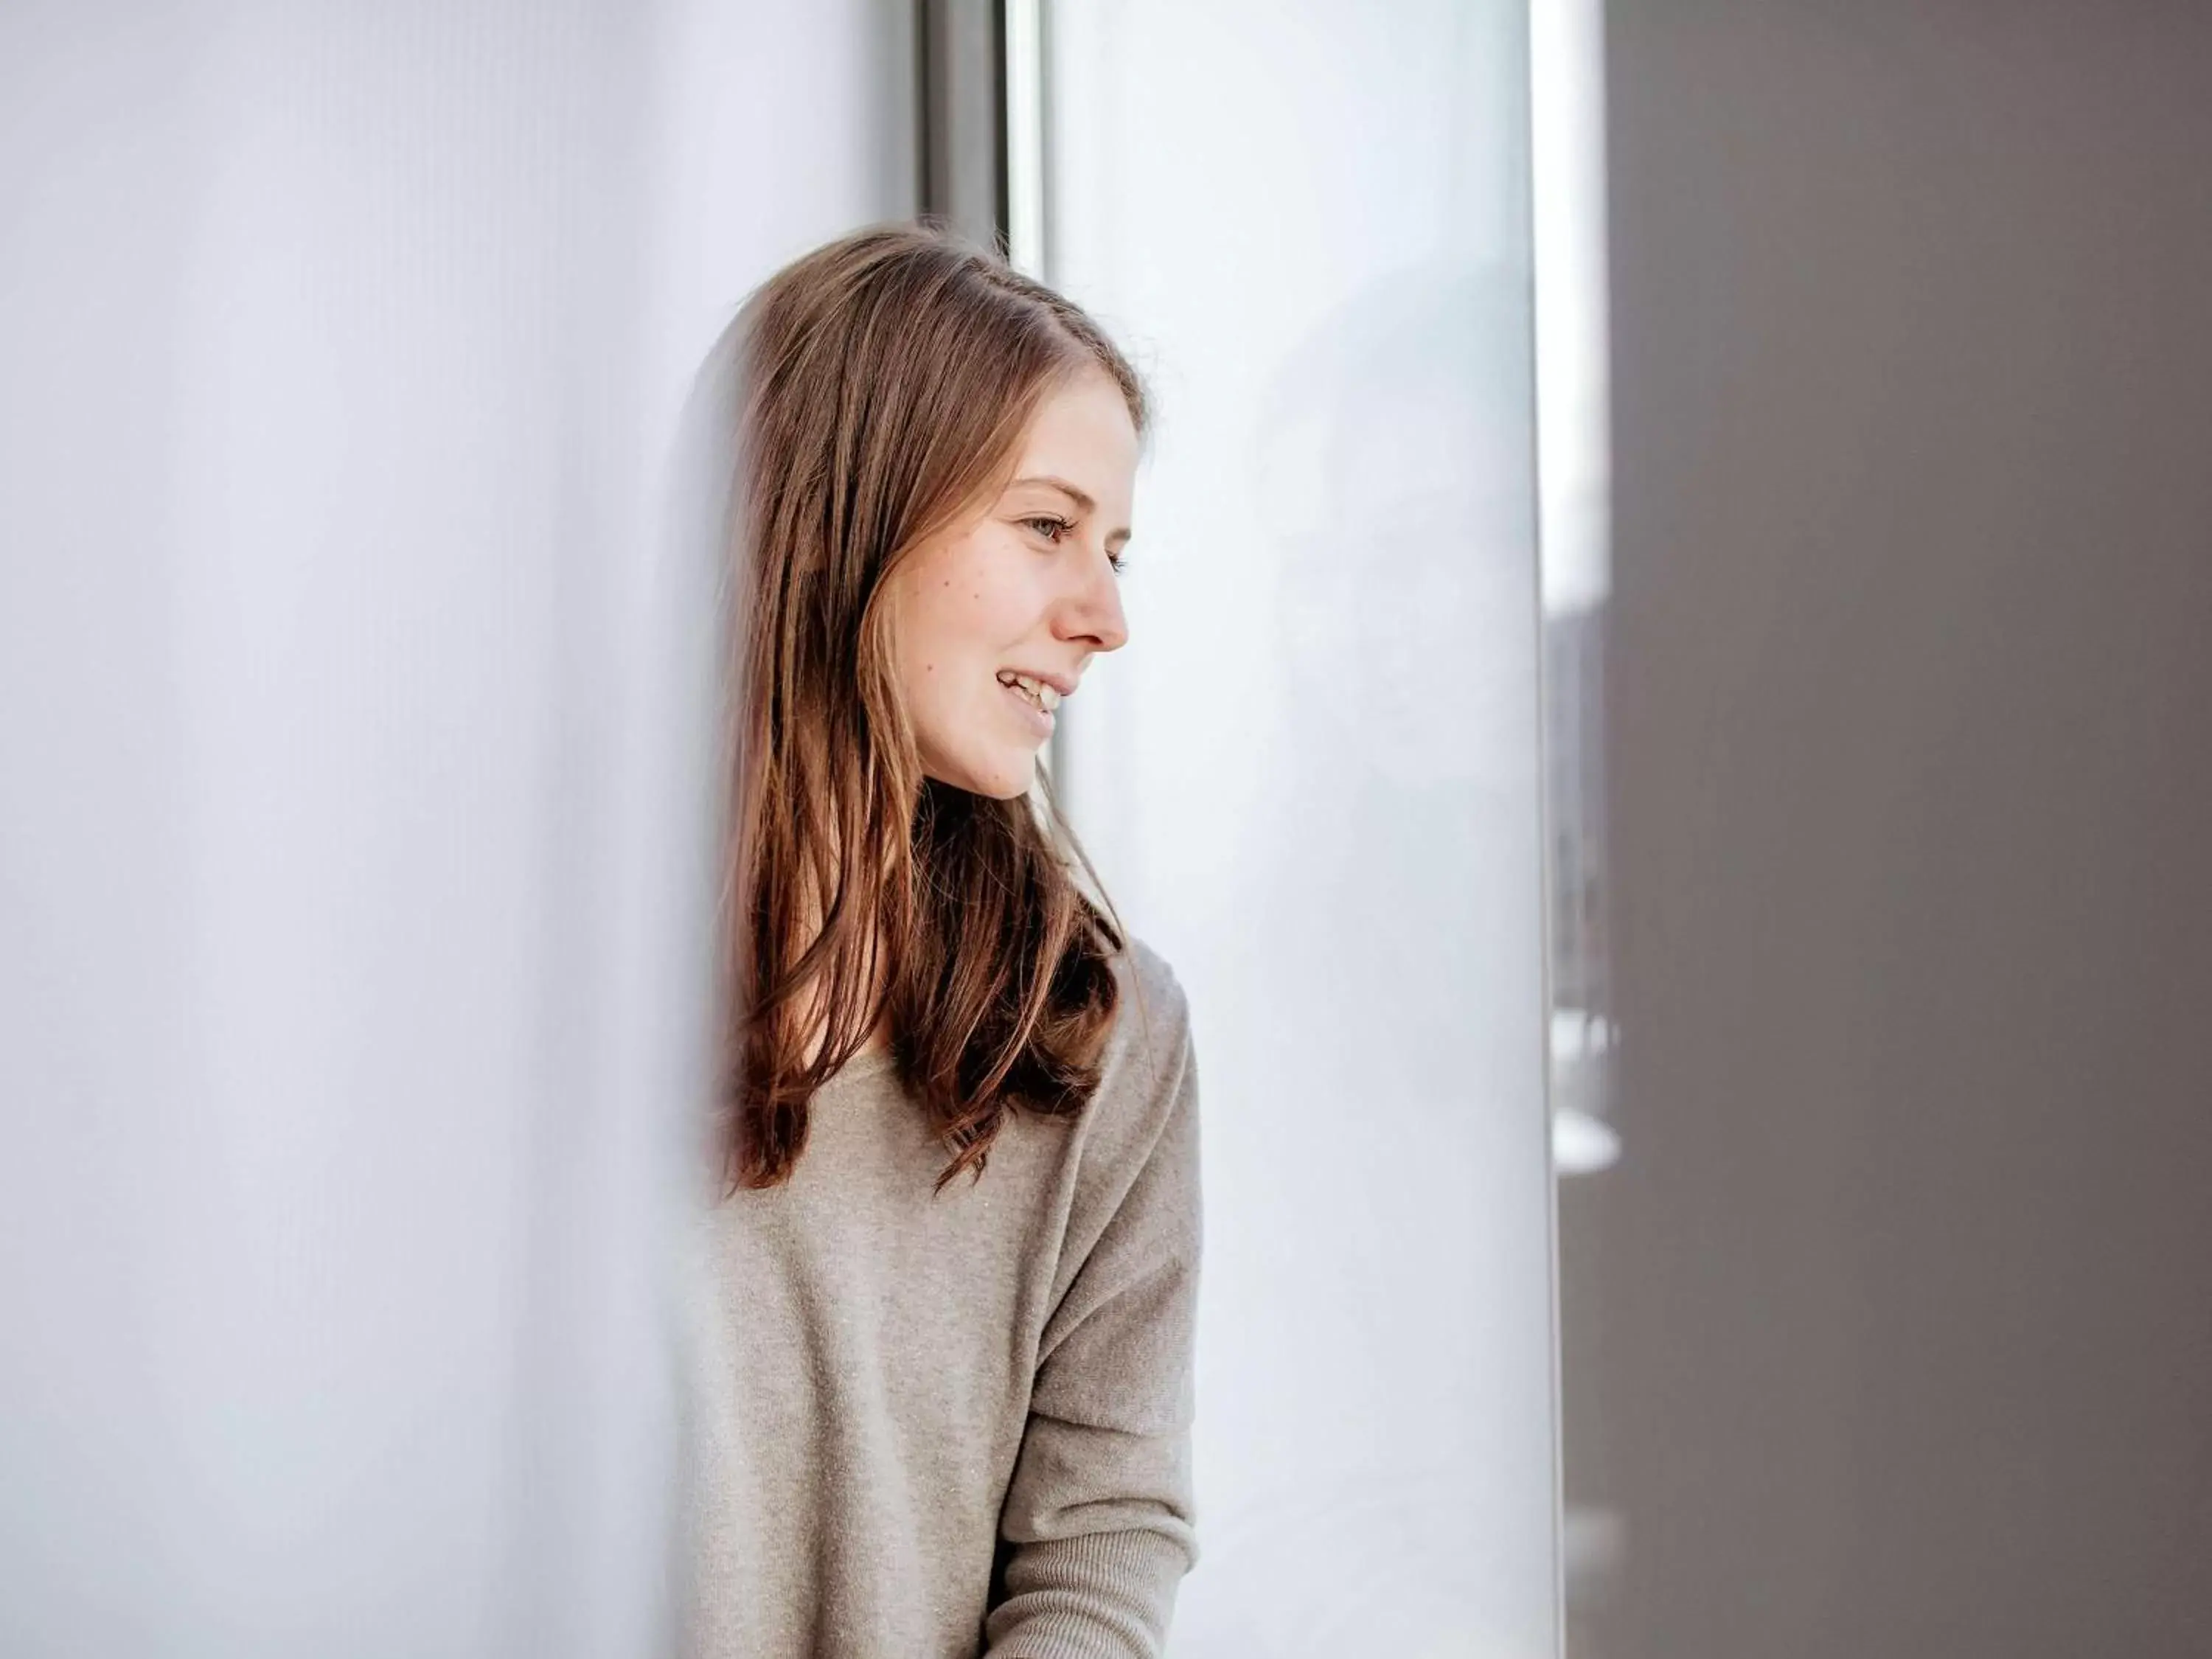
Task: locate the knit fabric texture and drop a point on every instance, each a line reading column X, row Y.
column 939, row 1426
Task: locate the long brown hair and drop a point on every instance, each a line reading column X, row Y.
column 879, row 386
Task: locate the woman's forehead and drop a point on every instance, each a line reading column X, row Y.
column 1082, row 436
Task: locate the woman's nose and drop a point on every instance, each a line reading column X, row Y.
column 1094, row 613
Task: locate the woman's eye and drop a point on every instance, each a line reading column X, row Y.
column 1052, row 529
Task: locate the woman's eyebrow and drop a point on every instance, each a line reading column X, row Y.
column 1081, row 501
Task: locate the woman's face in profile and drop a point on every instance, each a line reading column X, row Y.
column 1025, row 586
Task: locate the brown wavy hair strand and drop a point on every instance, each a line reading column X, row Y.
column 881, row 385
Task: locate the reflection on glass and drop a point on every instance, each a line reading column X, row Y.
column 1317, row 785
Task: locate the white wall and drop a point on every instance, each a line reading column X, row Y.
column 350, row 873
column 1311, row 780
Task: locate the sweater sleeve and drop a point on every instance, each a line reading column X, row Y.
column 1098, row 1527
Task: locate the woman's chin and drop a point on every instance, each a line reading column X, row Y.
column 999, row 777
column 1011, row 784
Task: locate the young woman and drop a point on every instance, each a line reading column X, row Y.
column 946, row 1396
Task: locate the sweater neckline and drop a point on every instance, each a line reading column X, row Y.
column 865, row 1064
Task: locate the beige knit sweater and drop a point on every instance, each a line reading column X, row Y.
column 931, row 1427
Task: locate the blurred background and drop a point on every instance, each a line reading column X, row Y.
column 1663, row 735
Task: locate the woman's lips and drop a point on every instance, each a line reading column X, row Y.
column 1039, row 722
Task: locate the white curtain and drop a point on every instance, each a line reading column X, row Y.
column 353, row 863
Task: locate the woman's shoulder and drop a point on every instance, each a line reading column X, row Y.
column 1140, row 1137
column 1145, row 972
column 1149, row 1056
column 1153, row 1009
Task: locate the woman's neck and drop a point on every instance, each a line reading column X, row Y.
column 815, row 1022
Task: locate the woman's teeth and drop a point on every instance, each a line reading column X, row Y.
column 1036, row 690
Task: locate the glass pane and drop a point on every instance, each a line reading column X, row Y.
column 1313, row 782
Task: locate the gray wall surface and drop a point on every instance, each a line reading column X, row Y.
column 1891, row 1334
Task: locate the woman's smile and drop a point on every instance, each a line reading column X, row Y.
column 995, row 593
column 1035, row 717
